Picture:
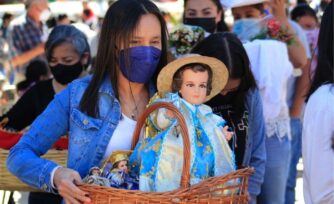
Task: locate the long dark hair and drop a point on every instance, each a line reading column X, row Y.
column 118, row 26
column 324, row 73
column 221, row 25
column 227, row 48
column 303, row 10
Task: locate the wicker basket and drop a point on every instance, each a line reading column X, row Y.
column 12, row 183
column 9, row 181
column 230, row 188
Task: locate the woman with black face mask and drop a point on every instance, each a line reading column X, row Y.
column 208, row 14
column 68, row 55
column 99, row 112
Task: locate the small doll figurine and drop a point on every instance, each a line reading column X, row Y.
column 94, row 177
column 187, row 83
column 119, row 175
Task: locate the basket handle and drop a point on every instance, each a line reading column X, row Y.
column 185, row 177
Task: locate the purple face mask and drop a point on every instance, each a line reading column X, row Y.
column 142, row 63
column 312, row 37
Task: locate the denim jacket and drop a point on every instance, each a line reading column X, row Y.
column 255, row 153
column 88, row 137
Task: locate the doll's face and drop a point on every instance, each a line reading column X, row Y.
column 95, row 172
column 194, row 86
column 123, row 166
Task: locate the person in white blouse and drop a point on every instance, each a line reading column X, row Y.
column 318, row 129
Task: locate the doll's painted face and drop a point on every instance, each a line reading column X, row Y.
column 95, row 172
column 123, row 166
column 194, row 86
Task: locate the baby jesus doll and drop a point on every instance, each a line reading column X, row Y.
column 187, row 83
column 119, row 175
column 94, row 177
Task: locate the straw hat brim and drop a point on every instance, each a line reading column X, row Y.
column 240, row 3
column 219, row 73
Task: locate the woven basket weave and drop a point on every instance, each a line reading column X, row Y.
column 9, row 181
column 230, row 188
column 12, row 183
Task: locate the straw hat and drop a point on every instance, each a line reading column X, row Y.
column 240, row 3
column 219, row 73
column 119, row 155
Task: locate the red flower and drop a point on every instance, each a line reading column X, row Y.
column 274, row 28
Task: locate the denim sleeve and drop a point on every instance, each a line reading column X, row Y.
column 24, row 158
column 258, row 155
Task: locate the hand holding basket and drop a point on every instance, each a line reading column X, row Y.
column 230, row 188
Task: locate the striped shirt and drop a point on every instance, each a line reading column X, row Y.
column 24, row 35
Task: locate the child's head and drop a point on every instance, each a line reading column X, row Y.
column 36, row 71
column 196, row 78
column 249, row 11
column 305, row 16
column 242, row 9
column 193, row 82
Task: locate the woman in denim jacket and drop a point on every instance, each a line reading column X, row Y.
column 239, row 104
column 68, row 54
column 98, row 112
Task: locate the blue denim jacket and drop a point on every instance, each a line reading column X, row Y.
column 88, row 137
column 255, row 153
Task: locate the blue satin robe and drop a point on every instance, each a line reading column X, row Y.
column 158, row 157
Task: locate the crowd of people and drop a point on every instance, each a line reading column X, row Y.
column 271, row 101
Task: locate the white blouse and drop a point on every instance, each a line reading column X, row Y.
column 122, row 136
column 318, row 156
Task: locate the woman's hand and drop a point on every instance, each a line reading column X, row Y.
column 279, row 10
column 296, row 50
column 65, row 180
column 228, row 135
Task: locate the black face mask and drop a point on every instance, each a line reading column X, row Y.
column 64, row 74
column 209, row 24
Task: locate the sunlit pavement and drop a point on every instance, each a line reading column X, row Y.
column 299, row 186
